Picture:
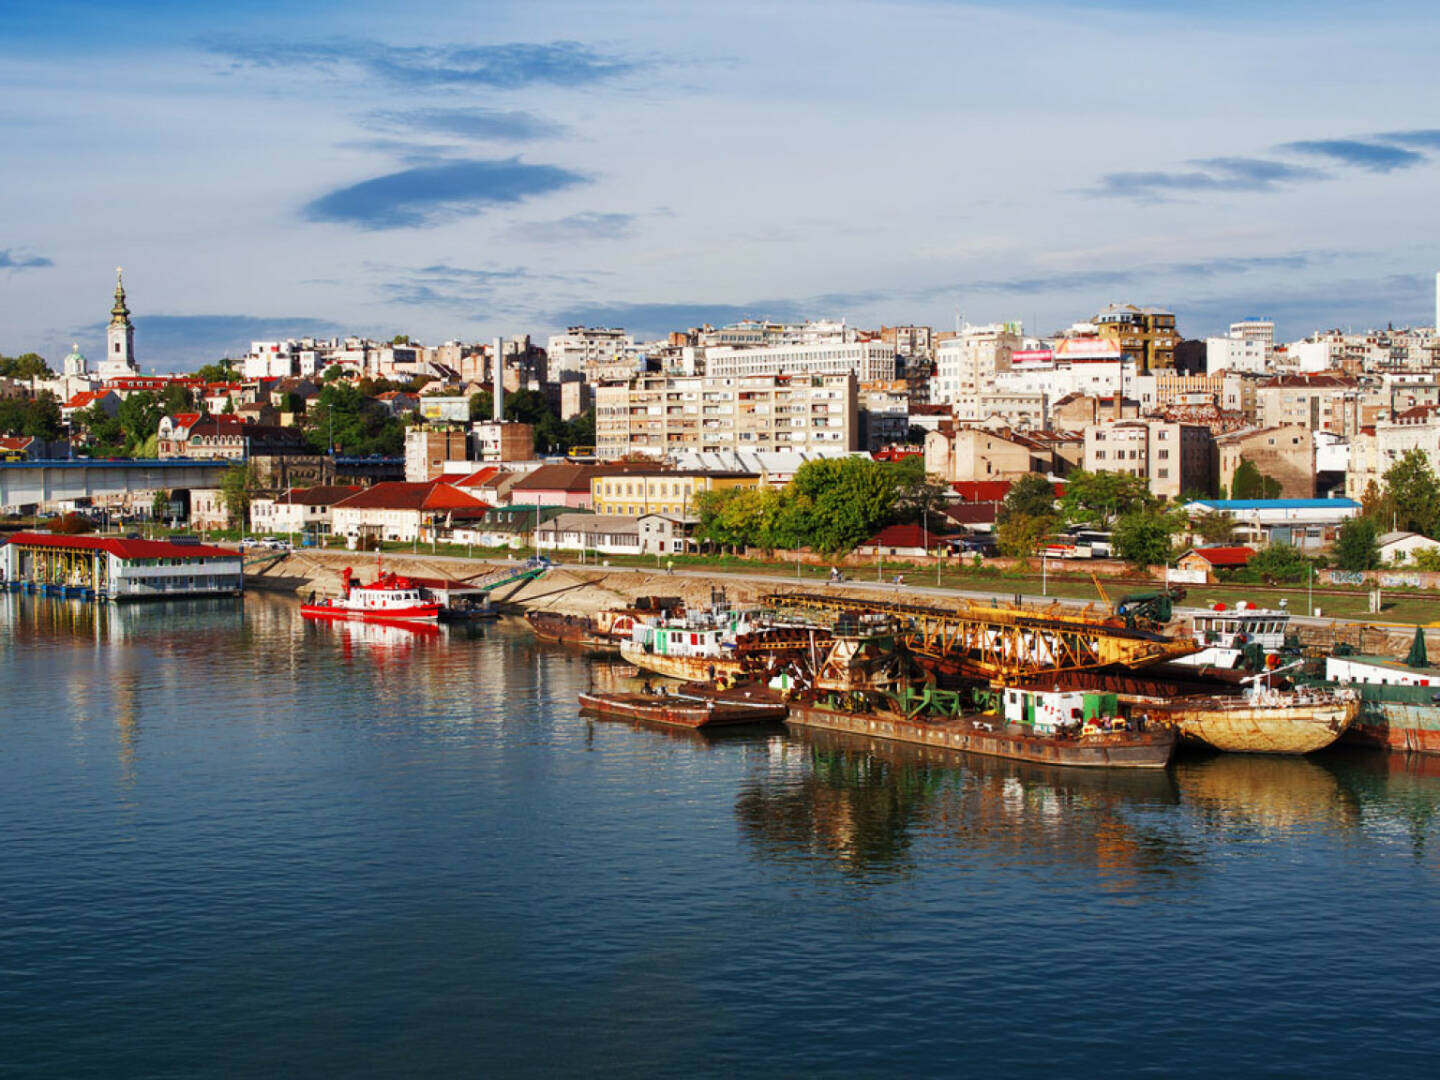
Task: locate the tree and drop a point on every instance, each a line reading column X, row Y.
column 851, row 498
column 917, row 494
column 1277, row 564
column 1030, row 496
column 1414, row 494
column 1377, row 504
column 38, row 416
column 238, row 485
column 1357, row 547
column 160, row 505
column 1144, row 538
column 176, row 399
column 139, row 418
column 1426, row 559
column 1214, row 528
column 355, row 424
column 1018, row 535
column 224, row 371
column 1250, row 483
column 400, row 339
column 25, row 366
column 482, row 405
column 1100, row 497
column 103, row 433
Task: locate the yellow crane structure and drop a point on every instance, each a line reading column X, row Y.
column 1000, row 641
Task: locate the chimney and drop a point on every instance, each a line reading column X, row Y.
column 499, row 394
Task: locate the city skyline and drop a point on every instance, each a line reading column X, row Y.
column 513, row 169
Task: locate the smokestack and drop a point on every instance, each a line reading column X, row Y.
column 499, row 395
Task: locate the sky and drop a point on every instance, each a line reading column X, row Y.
column 462, row 170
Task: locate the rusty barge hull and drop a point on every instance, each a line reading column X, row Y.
column 678, row 712
column 1115, row 750
column 569, row 630
column 1396, row 725
column 1260, row 729
column 687, row 668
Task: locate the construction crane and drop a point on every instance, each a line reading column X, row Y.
column 987, row 641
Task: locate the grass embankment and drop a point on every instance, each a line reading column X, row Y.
column 1405, row 606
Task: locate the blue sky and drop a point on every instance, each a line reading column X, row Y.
column 457, row 170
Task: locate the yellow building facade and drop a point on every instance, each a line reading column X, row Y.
column 660, row 492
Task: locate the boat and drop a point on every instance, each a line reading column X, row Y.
column 605, row 630
column 1101, row 740
column 389, row 598
column 1264, row 720
column 720, row 643
column 1399, row 700
column 1226, row 635
column 563, row 629
column 680, row 709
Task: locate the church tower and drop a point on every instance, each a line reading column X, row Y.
column 119, row 337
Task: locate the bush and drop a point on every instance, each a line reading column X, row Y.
column 70, row 525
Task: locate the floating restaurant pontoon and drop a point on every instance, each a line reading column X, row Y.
column 118, row 568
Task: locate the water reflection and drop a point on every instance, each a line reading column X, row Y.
column 863, row 803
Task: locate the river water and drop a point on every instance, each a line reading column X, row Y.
column 239, row 843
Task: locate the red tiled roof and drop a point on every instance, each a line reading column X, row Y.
column 1225, row 556
column 15, row 442
column 323, row 495
column 401, row 495
column 85, row 398
column 126, row 549
column 478, row 477
column 982, row 490
column 909, row 536
column 574, row 478
column 972, row 513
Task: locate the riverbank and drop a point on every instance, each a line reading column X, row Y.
column 586, row 589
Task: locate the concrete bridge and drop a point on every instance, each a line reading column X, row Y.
column 36, row 483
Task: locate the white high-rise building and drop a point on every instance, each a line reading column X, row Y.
column 1255, row 330
column 967, row 365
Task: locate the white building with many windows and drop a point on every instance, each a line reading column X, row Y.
column 662, row 415
column 868, row 361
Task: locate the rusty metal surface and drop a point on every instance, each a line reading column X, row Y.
column 1001, row 642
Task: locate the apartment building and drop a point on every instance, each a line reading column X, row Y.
column 1324, row 402
column 581, row 347
column 1145, row 335
column 908, row 341
column 1286, row 454
column 868, row 361
column 428, row 448
column 1173, row 458
column 661, row 491
column 967, row 364
column 660, row 415
column 1373, row 450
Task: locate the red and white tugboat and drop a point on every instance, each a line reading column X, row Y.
column 389, row 598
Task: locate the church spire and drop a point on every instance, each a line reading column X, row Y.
column 119, row 314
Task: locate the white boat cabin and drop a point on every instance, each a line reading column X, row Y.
column 1224, row 633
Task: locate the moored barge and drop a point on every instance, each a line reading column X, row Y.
column 680, row 710
column 992, row 736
